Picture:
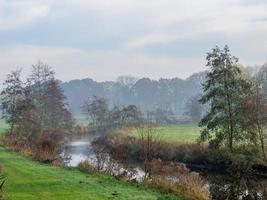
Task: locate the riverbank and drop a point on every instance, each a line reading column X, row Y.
column 27, row 179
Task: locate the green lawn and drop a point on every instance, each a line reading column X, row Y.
column 176, row 133
column 27, row 179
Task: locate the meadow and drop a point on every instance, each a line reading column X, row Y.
column 174, row 133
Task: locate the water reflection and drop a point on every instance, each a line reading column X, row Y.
column 228, row 187
column 78, row 150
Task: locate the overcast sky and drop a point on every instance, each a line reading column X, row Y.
column 103, row 39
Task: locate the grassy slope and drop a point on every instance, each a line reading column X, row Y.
column 177, row 133
column 32, row 180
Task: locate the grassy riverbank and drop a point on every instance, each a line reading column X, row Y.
column 27, row 179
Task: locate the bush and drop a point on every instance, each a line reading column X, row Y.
column 192, row 186
column 191, row 153
column 47, row 148
column 178, row 180
column 86, row 166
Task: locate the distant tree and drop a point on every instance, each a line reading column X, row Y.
column 262, row 77
column 194, row 108
column 162, row 115
column 115, row 117
column 131, row 115
column 124, row 116
column 127, row 80
column 96, row 109
column 146, row 94
column 224, row 89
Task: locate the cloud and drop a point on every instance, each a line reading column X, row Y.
column 150, row 40
column 84, row 38
column 17, row 14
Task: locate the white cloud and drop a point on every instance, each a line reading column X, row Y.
column 138, row 24
column 17, row 14
column 150, row 40
column 202, row 19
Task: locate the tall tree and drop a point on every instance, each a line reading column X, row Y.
column 38, row 82
column 224, row 90
column 57, row 117
column 12, row 98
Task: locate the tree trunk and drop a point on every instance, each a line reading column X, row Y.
column 262, row 142
column 229, row 110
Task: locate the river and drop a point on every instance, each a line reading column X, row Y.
column 220, row 186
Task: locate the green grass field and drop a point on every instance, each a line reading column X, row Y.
column 176, row 133
column 27, row 179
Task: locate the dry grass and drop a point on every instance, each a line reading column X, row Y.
column 178, row 180
column 86, row 166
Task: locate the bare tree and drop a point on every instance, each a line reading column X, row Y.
column 255, row 115
column 149, row 146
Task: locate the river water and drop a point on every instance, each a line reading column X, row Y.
column 221, row 186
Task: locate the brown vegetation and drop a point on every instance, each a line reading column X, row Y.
column 177, row 179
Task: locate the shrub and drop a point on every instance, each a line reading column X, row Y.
column 192, row 186
column 191, row 153
column 26, row 152
column 47, row 148
column 86, row 166
column 176, row 179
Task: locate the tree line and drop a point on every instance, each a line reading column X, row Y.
column 101, row 117
column 147, row 94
